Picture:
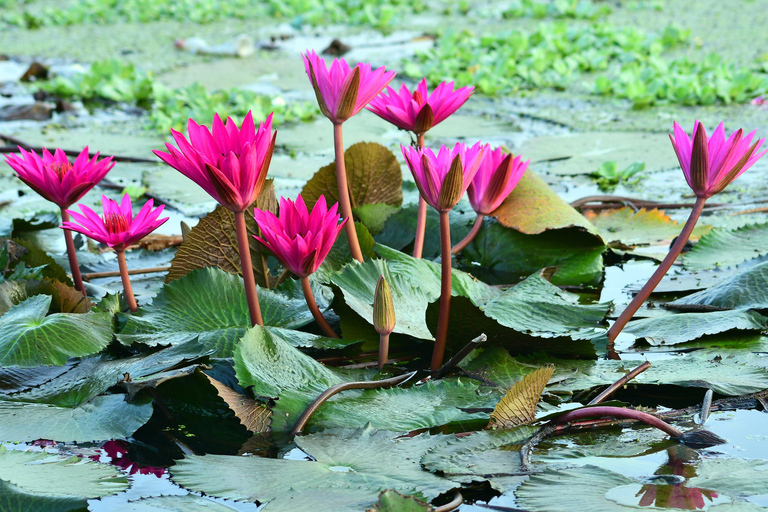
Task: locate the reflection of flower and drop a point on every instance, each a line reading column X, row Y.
column 117, row 451
column 674, row 496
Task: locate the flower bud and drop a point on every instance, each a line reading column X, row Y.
column 453, row 186
column 383, row 308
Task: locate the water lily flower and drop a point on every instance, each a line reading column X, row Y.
column 711, row 163
column 231, row 165
column 61, row 182
column 118, row 228
column 420, row 110
column 301, row 240
column 497, row 177
column 341, row 93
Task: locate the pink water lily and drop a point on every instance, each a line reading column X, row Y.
column 498, row 175
column 342, row 91
column 300, row 239
column 118, row 227
column 55, row 178
column 230, row 164
column 711, row 163
column 418, row 111
column 430, row 171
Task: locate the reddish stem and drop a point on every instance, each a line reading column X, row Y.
column 128, row 290
column 619, row 412
column 662, row 269
column 383, row 350
column 344, row 202
column 471, row 235
column 421, row 216
column 319, row 318
column 251, row 295
column 77, row 278
column 445, row 293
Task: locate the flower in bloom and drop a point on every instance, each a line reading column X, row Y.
column 230, row 164
column 711, row 163
column 343, row 91
column 498, row 175
column 443, row 178
column 300, row 239
column 55, row 178
column 419, row 111
column 118, row 228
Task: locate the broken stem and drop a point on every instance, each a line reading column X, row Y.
column 460, row 355
column 319, row 318
column 344, row 202
column 445, row 293
column 471, row 235
column 421, row 215
column 77, row 278
column 328, row 393
column 616, row 385
column 244, row 248
column 128, row 290
column 114, row 273
column 662, row 269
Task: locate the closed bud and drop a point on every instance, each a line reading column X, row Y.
column 383, row 308
column 453, row 186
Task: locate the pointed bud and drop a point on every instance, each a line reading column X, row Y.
column 383, row 308
column 453, row 186
column 700, row 161
column 348, row 96
column 424, row 119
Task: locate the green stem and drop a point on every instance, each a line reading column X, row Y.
column 662, row 269
column 128, row 290
column 445, row 293
column 77, row 278
column 251, row 295
column 471, row 235
column 421, row 215
column 344, row 202
column 319, row 318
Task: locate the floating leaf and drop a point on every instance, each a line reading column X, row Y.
column 716, row 249
column 375, row 216
column 682, row 327
column 747, row 289
column 253, row 415
column 518, row 405
column 213, row 243
column 625, row 228
column 192, row 307
column 393, row 501
column 533, row 207
column 29, row 338
column 188, row 503
column 373, row 176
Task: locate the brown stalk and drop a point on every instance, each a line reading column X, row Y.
column 128, row 290
column 445, row 293
column 622, row 381
column 77, row 278
column 421, row 216
column 344, row 202
column 114, row 273
column 249, row 280
column 318, row 316
column 471, row 235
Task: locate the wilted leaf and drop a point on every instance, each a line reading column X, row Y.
column 533, row 207
column 373, row 176
column 716, row 249
column 393, row 501
column 213, row 243
column 253, row 415
column 625, row 228
column 518, row 405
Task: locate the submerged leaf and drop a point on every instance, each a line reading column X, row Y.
column 518, row 405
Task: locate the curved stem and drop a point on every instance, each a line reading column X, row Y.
column 471, row 235
column 662, row 269
column 77, row 278
column 244, row 248
column 619, row 412
column 383, row 350
column 128, row 290
column 319, row 318
column 457, row 500
column 328, row 393
column 344, row 202
column 421, row 215
column 445, row 293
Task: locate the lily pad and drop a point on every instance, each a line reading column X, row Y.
column 30, row 338
column 192, row 307
column 682, row 327
column 393, row 501
column 748, row 289
column 625, row 228
column 188, row 503
column 716, row 249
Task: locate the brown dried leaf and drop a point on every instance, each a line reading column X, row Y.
column 254, row 415
column 373, row 175
column 518, row 406
column 213, row 243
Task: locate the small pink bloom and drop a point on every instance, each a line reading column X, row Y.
column 497, row 176
column 55, row 178
column 343, row 91
column 419, row 111
column 711, row 163
column 119, row 228
column 301, row 240
column 230, row 164
column 430, row 171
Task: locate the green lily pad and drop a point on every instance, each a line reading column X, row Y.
column 375, row 216
column 41, row 482
column 188, row 503
column 393, row 501
column 625, row 228
column 748, row 289
column 682, row 327
column 29, row 338
column 192, row 306
column 716, row 249
column 345, row 474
